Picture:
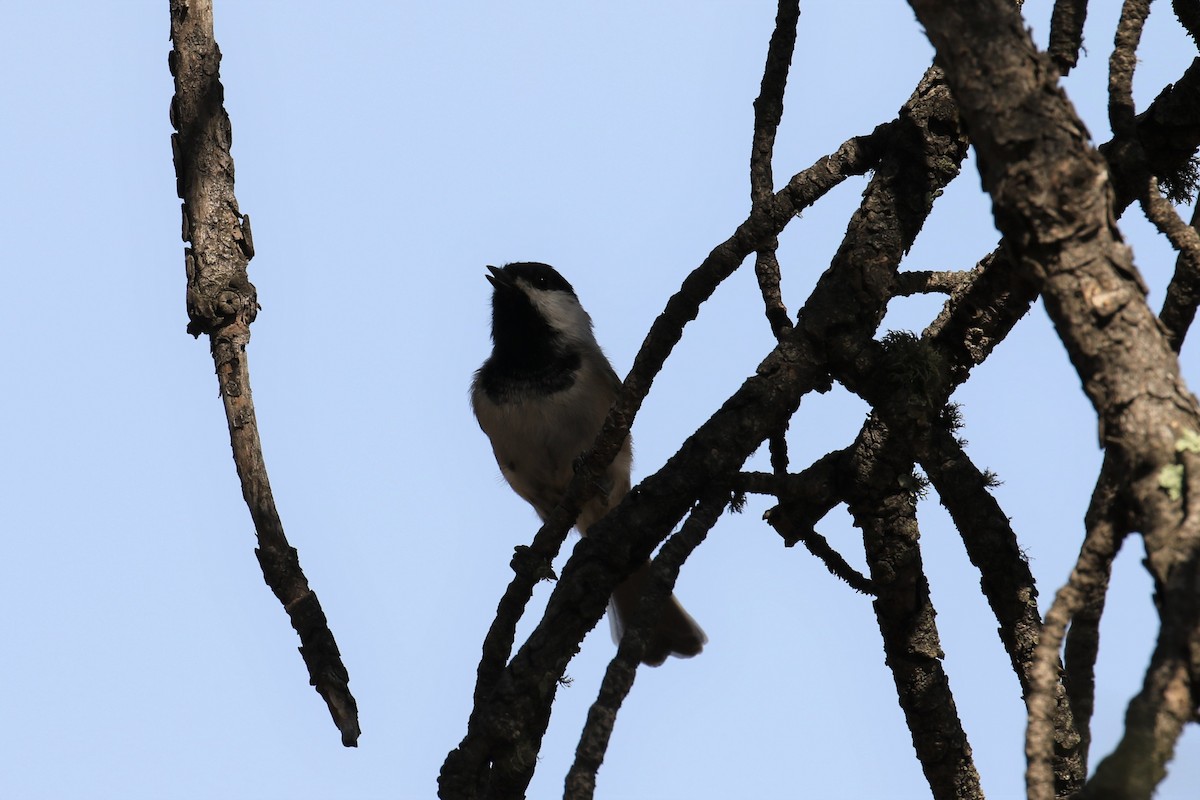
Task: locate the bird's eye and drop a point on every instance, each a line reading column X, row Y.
column 541, row 282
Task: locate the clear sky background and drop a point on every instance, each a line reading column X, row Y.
column 386, row 152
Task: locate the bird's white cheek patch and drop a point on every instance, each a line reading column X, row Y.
column 564, row 314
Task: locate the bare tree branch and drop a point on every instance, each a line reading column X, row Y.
column 1121, row 64
column 222, row 303
column 618, row 678
column 1183, row 292
column 1091, row 571
column 1097, row 303
column 991, row 545
column 1010, row 590
column 929, row 282
column 1188, row 14
column 1066, row 32
column 887, row 516
column 805, row 498
column 1107, row 520
column 768, row 106
column 1170, row 694
column 1169, row 133
column 766, row 269
column 768, row 111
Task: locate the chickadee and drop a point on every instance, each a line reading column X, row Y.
column 541, row 398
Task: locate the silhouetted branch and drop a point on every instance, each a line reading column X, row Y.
column 1104, row 516
column 838, row 567
column 1121, row 65
column 1186, row 241
column 1010, row 590
column 222, row 303
column 1066, row 32
column 1091, row 571
column 991, row 545
column 768, row 106
column 1188, row 14
column 1183, row 293
column 619, row 677
column 887, row 517
column 768, row 111
column 1169, row 133
column 778, row 447
column 766, row 269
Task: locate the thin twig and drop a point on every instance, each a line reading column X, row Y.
column 222, row 303
column 1083, row 635
column 768, row 106
column 1183, row 293
column 837, row 565
column 768, row 112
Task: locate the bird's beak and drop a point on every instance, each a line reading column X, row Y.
column 499, row 277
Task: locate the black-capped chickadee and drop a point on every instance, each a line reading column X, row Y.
column 542, row 397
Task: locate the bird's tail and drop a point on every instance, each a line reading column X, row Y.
column 674, row 633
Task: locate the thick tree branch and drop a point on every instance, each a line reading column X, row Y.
column 928, row 148
column 1052, row 201
column 221, row 302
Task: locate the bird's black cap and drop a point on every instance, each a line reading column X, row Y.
column 536, row 274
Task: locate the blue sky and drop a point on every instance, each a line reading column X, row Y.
column 386, row 153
